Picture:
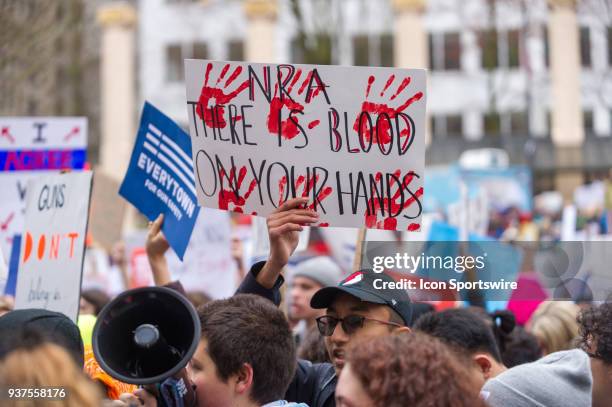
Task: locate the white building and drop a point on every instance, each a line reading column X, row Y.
column 489, row 84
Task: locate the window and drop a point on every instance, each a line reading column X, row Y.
column 610, row 46
column 452, row 51
column 492, row 124
column 488, row 44
column 454, row 125
column 585, row 47
column 177, row 53
column 235, row 50
column 543, row 181
column 546, row 48
column 373, row 50
column 519, row 123
column 174, row 64
column 360, row 50
column 587, row 120
column 200, row 51
column 311, row 50
column 444, row 126
column 513, row 49
column 433, row 60
column 499, row 49
column 445, row 51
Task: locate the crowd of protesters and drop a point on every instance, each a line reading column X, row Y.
column 328, row 339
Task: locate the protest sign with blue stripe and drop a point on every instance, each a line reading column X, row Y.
column 160, row 177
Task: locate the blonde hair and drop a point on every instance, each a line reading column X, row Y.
column 47, row 365
column 554, row 324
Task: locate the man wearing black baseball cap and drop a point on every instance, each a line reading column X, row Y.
column 355, row 309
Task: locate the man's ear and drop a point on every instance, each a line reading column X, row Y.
column 483, row 361
column 244, row 379
column 402, row 330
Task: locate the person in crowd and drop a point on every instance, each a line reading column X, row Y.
column 313, row 347
column 92, row 301
column 414, row 370
column 521, row 347
column 308, row 277
column 469, row 337
column 354, row 309
column 38, row 364
column 7, row 303
column 501, row 322
column 198, row 298
column 596, row 340
column 554, row 325
column 246, row 356
column 421, row 308
column 576, row 377
column 57, row 327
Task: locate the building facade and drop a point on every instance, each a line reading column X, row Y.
column 533, row 77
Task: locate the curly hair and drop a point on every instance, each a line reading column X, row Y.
column 412, row 370
column 596, row 331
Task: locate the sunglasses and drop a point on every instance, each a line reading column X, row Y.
column 350, row 324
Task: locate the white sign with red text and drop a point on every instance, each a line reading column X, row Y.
column 349, row 138
column 29, row 146
column 53, row 243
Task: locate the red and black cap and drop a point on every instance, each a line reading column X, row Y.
column 361, row 285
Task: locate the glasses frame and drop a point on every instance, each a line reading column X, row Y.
column 321, row 320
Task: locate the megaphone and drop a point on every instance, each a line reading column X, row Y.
column 146, row 335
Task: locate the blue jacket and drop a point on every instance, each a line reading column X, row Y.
column 313, row 383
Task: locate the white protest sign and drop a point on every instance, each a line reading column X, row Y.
column 262, row 239
column 29, row 145
column 342, row 243
column 53, row 243
column 349, row 138
column 26, row 135
column 12, row 206
column 208, row 265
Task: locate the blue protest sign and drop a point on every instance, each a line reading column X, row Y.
column 11, row 282
column 160, row 177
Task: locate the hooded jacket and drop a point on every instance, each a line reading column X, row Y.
column 559, row 379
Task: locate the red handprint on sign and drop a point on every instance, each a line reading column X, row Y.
column 6, row 133
column 4, row 225
column 289, row 126
column 212, row 99
column 73, row 133
column 391, row 203
column 308, row 185
column 233, row 195
column 378, row 130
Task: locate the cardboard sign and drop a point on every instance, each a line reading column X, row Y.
column 349, row 138
column 262, row 239
column 53, row 243
column 107, row 211
column 160, row 177
column 29, row 145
